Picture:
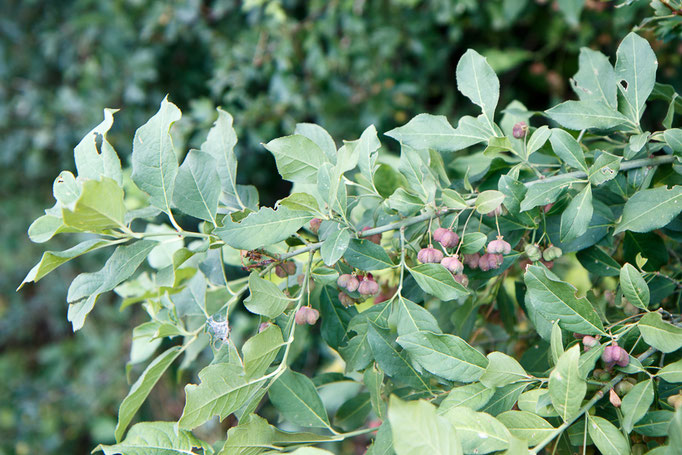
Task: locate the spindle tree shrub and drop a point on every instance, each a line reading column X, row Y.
column 418, row 304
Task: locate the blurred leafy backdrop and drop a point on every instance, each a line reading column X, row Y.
column 343, row 64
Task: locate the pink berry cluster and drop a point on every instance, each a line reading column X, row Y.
column 306, row 315
column 365, row 285
column 615, row 355
column 430, row 255
column 493, row 257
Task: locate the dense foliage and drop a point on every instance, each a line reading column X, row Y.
column 428, row 297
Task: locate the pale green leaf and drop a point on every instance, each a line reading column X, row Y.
column 426, row 131
column 264, row 227
column 556, row 299
column 502, row 370
column 634, row 287
column 93, row 162
column 445, row 355
column 335, row 246
column 487, row 201
column 99, row 207
column 266, row 298
column 650, row 209
column 261, row 350
column 543, row 193
column 581, row 115
column 635, row 404
column 473, row 396
column 139, row 391
column 155, row 163
column 577, row 216
column 418, row 430
column 478, row 432
column 526, row 426
column 636, row 66
column 477, row 81
column 295, row 396
column 596, row 78
column 659, row 334
column 566, row 386
column 604, row 168
column 567, row 148
column 197, row 186
column 297, row 158
column 366, row 255
column 608, row 439
column 436, row 280
column 157, row 438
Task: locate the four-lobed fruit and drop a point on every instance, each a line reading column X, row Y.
column 429, row 255
column 285, row 269
column 452, row 263
column 306, row 315
column 368, row 286
column 446, row 237
column 490, row 261
column 374, row 238
column 615, row 355
column 551, row 253
column 498, row 246
column 533, row 252
column 349, row 282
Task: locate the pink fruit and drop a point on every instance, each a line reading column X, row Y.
column 471, row 260
column 345, row 299
column 315, row 225
column 462, row 279
column 348, row 281
column 490, row 261
column 446, row 237
column 306, row 315
column 499, row 246
column 452, row 263
column 520, row 130
column 429, row 255
column 368, row 287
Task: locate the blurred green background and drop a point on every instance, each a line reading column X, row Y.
column 343, row 64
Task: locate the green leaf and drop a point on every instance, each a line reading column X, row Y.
column 671, row 372
column 673, row 137
column 556, row 344
column 526, row 426
column 544, row 193
column 220, row 144
column 367, row 149
column 597, row 261
column 319, row 136
column 582, row 115
column 334, row 316
column 453, row 200
column 426, row 131
column 155, row 163
column 502, row 370
column 93, row 162
column 596, row 78
column 53, row 259
column 414, row 318
column 335, row 246
column 366, row 255
column 634, row 287
column 436, row 280
column 223, row 390
column 504, row 398
column 566, row 386
column 650, row 209
column 301, row 202
column 654, row 424
column 86, row 287
column 156, row 438
column 297, row 158
column 478, row 432
column 266, row 298
column 252, row 436
column 556, row 299
column 537, row 401
column 264, row 227
column 140, row 389
column 604, row 168
column 473, row 396
column 568, row 149
column 660, row 334
column 488, row 200
column 261, row 350
column 374, row 381
column 576, row 218
column 295, row 396
column 99, row 207
column 418, row 430
column 608, row 439
column 394, row 363
column 635, row 404
column 353, row 412
column 636, row 73
column 197, row 186
column 537, row 140
column 571, row 10
column 472, row 242
column 515, row 192
column 477, row 81
column 444, row 355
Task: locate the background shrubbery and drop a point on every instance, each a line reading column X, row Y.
column 272, row 64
